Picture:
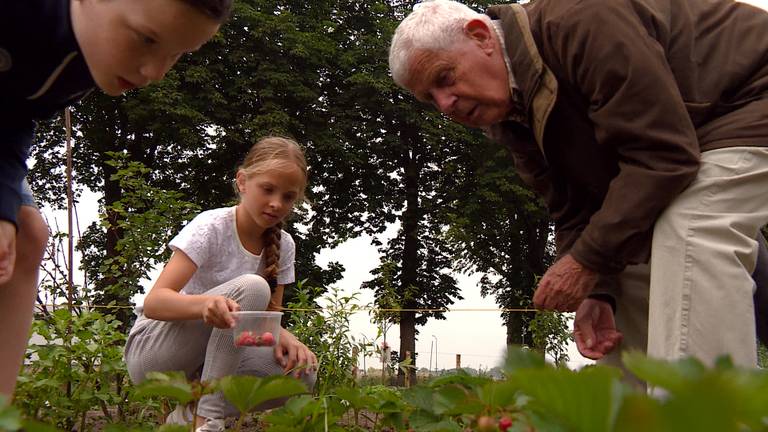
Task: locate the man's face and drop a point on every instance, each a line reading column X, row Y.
column 469, row 83
column 132, row 43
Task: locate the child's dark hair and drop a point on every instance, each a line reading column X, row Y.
column 219, row 10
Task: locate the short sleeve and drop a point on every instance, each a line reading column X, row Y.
column 286, row 274
column 195, row 239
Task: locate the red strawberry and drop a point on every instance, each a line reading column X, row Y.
column 505, row 423
column 268, row 339
column 246, row 338
column 242, row 339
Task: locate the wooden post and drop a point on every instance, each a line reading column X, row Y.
column 458, row 361
column 407, row 371
column 355, row 352
column 385, row 354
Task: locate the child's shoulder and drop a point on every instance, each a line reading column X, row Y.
column 217, row 213
column 216, row 216
column 286, row 240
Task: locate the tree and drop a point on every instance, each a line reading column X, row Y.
column 259, row 76
column 396, row 158
column 502, row 230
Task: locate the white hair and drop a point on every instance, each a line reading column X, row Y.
column 434, row 25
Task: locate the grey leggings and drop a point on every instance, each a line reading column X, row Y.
column 201, row 350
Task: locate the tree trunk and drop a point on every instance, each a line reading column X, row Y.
column 410, row 261
column 515, row 326
column 105, row 285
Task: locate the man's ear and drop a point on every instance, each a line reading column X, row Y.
column 478, row 31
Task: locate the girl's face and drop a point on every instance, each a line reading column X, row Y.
column 269, row 197
column 133, row 43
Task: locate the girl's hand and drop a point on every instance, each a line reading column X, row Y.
column 294, row 356
column 216, row 312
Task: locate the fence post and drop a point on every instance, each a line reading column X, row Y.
column 355, row 352
column 407, row 371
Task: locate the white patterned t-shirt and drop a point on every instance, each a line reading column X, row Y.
column 211, row 241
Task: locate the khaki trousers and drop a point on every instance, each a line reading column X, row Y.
column 696, row 297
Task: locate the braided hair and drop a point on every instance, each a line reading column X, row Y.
column 271, row 253
column 273, row 153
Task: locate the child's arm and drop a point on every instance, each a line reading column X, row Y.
column 276, row 301
column 165, row 303
column 7, row 250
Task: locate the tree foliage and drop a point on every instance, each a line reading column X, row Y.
column 316, row 71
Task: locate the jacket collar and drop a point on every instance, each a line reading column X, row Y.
column 534, row 79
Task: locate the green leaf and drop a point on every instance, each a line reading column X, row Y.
column 10, row 418
column 247, row 392
column 499, row 394
column 420, row 397
column 172, row 385
column 461, row 378
column 449, row 400
column 35, row 426
column 639, row 413
column 520, row 358
column 444, row 425
column 671, row 376
column 587, row 400
column 355, row 397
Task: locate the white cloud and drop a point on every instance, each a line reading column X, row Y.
column 759, row 3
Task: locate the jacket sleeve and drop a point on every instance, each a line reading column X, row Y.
column 637, row 110
column 15, row 142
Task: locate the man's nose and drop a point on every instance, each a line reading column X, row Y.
column 444, row 101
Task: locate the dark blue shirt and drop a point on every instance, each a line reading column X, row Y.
column 42, row 70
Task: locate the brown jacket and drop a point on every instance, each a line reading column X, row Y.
column 621, row 96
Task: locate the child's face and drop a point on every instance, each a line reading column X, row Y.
column 132, row 43
column 269, row 197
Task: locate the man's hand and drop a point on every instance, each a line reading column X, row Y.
column 7, row 250
column 564, row 285
column 594, row 329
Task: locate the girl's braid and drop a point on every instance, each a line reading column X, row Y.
column 271, row 242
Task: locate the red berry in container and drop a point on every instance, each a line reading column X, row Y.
column 245, row 338
column 267, row 339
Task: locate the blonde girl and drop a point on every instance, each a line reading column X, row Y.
column 226, row 260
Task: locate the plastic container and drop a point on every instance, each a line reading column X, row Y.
column 256, row 328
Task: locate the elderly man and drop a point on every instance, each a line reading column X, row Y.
column 644, row 125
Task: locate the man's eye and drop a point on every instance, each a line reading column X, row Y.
column 147, row 40
column 445, row 79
